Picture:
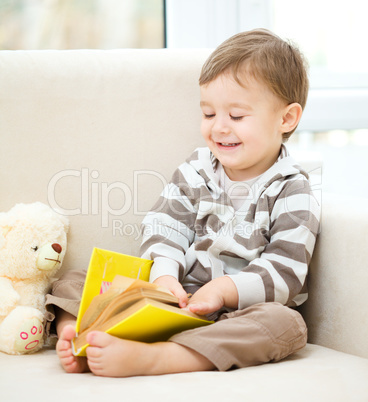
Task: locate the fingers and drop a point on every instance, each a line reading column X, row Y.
column 178, row 290
column 175, row 288
column 182, row 295
column 200, row 308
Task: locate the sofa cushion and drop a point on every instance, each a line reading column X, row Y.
column 313, row 374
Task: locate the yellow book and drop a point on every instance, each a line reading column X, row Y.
column 103, row 266
column 130, row 308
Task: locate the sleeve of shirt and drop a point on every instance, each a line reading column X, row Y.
column 168, row 229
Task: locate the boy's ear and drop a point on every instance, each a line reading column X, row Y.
column 291, row 117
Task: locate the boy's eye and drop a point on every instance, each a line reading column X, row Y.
column 236, row 118
column 208, row 116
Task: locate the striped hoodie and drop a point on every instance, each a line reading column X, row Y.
column 195, row 234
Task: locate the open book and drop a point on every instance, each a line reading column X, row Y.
column 130, row 308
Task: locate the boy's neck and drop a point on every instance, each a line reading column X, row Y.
column 249, row 174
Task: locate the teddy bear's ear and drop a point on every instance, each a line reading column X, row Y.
column 4, row 228
column 64, row 220
column 66, row 223
column 5, row 223
column 3, row 220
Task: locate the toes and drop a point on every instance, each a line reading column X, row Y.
column 68, row 333
column 95, row 360
column 62, row 344
column 96, row 353
column 99, row 339
column 63, row 351
column 93, row 352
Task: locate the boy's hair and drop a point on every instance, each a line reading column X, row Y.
column 267, row 58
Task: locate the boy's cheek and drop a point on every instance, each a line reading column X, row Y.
column 204, row 130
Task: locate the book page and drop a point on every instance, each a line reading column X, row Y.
column 116, row 299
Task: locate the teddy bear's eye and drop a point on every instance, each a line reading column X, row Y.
column 35, row 248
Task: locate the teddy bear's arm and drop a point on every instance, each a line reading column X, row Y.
column 8, row 296
column 32, row 294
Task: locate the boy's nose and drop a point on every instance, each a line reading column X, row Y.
column 220, row 126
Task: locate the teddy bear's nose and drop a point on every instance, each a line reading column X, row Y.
column 56, row 247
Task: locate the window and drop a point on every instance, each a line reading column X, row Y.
column 73, row 24
column 331, row 33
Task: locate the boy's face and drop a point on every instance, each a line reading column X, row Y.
column 242, row 125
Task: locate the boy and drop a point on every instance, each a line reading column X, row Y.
column 236, row 226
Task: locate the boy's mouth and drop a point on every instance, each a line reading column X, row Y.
column 228, row 144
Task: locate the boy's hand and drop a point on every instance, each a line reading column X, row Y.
column 175, row 287
column 213, row 295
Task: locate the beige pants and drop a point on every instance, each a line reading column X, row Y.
column 265, row 332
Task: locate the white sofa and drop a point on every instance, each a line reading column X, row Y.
column 96, row 134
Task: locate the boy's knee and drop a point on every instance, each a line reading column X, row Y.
column 281, row 318
column 284, row 325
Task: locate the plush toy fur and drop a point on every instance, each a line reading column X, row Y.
column 32, row 247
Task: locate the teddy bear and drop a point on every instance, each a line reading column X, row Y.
column 33, row 240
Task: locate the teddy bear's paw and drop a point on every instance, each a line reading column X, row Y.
column 29, row 337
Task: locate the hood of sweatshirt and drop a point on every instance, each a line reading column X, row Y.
column 205, row 164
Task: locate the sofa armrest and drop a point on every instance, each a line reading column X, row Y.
column 336, row 311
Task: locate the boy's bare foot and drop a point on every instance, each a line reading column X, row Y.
column 113, row 357
column 70, row 363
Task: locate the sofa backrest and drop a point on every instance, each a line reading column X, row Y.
column 96, row 134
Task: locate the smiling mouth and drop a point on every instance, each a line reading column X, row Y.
column 228, row 144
